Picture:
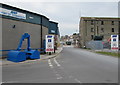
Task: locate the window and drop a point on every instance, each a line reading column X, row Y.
column 97, row 30
column 92, row 37
column 102, row 22
column 92, row 22
column 102, row 29
column 92, row 29
column 112, row 23
column 112, row 29
column 102, row 37
column 97, row 22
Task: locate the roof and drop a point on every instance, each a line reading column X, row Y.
column 100, row 18
column 53, row 22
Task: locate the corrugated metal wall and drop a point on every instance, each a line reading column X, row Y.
column 32, row 18
column 53, row 27
column 94, row 45
column 13, row 28
column 45, row 22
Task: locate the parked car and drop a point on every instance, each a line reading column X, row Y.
column 68, row 43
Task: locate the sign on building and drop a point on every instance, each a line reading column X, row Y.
column 12, row 13
column 52, row 31
column 114, row 42
column 49, row 43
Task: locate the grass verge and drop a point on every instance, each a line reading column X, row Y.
column 109, row 53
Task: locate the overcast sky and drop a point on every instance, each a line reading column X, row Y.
column 68, row 13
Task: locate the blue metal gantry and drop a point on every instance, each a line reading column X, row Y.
column 18, row 55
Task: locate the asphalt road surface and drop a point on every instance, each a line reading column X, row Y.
column 73, row 65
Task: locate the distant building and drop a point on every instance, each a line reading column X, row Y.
column 67, row 38
column 94, row 27
column 76, row 39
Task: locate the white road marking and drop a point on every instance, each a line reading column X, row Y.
column 50, row 64
column 56, row 62
column 49, row 61
column 77, row 81
column 58, row 76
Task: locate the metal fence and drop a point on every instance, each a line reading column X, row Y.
column 98, row 45
column 94, row 45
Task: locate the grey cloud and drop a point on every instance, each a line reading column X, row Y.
column 68, row 13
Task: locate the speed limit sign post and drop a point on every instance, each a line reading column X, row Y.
column 114, row 42
column 49, row 44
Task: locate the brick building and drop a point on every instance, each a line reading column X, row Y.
column 90, row 27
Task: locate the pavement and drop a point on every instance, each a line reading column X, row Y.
column 109, row 50
column 42, row 57
column 72, row 65
column 103, row 50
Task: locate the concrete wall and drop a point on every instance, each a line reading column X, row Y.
column 11, row 36
column 82, row 33
column 44, row 33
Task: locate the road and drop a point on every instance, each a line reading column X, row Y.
column 72, row 65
